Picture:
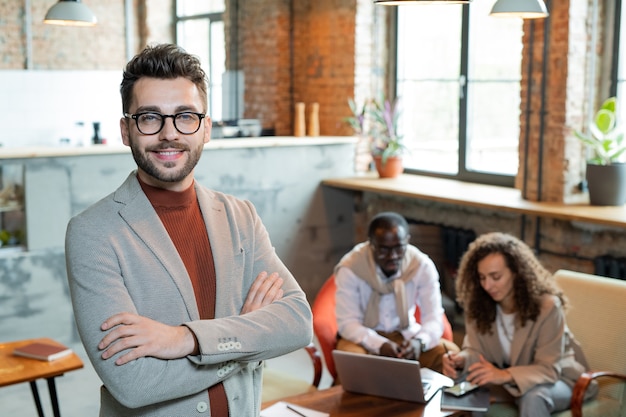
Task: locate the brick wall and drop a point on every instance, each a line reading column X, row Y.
column 553, row 168
column 302, row 51
column 325, row 51
column 60, row 47
column 102, row 47
column 324, row 58
column 12, row 45
column 264, row 58
column 320, row 51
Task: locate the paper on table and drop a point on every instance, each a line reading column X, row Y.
column 280, row 409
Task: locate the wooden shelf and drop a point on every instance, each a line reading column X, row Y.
column 481, row 196
column 15, row 207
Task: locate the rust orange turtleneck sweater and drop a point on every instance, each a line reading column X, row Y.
column 180, row 214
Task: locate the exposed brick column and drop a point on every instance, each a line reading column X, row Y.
column 322, row 51
column 557, row 103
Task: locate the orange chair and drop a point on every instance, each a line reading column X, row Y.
column 325, row 322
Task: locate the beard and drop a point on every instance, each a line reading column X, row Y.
column 166, row 172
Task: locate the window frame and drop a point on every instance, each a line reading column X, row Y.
column 463, row 173
column 617, row 25
column 212, row 17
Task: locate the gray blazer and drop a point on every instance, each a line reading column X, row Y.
column 542, row 352
column 121, row 259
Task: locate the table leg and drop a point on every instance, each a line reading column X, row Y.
column 35, row 391
column 53, row 397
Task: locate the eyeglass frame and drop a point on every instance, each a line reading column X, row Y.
column 383, row 251
column 163, row 117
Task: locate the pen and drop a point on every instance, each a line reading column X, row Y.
column 295, row 411
column 447, row 351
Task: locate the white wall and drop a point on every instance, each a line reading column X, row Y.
column 41, row 107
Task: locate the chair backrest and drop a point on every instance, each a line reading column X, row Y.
column 596, row 318
column 325, row 322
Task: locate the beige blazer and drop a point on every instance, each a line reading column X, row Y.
column 543, row 351
column 120, row 258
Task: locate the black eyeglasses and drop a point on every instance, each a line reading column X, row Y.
column 388, row 250
column 151, row 123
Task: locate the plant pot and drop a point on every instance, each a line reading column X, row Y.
column 607, row 184
column 391, row 168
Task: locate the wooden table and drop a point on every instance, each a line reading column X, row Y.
column 339, row 403
column 17, row 369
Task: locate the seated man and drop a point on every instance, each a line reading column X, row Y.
column 379, row 285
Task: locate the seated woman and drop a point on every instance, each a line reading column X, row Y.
column 516, row 341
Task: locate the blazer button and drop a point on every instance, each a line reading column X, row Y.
column 202, row 407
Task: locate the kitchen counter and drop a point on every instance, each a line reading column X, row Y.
column 280, row 175
column 259, row 142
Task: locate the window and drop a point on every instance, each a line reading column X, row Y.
column 619, row 63
column 458, row 78
column 200, row 30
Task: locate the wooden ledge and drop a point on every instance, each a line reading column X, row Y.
column 489, row 197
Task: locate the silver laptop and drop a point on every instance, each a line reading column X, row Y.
column 399, row 379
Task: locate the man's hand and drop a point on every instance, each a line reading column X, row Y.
column 393, row 350
column 142, row 337
column 389, row 349
column 484, row 372
column 264, row 290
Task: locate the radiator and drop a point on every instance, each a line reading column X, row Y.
column 610, row 266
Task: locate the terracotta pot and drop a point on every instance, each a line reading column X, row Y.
column 391, row 168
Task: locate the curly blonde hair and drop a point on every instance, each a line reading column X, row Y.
column 530, row 280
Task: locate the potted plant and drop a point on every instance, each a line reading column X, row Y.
column 606, row 171
column 377, row 119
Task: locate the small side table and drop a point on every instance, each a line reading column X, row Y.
column 17, row 369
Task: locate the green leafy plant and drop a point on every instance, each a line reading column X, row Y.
column 378, row 119
column 605, row 140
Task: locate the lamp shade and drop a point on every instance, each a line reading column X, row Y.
column 403, row 2
column 526, row 9
column 70, row 13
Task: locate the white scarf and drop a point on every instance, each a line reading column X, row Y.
column 361, row 261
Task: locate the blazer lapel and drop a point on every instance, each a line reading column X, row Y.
column 493, row 348
column 519, row 337
column 227, row 253
column 141, row 217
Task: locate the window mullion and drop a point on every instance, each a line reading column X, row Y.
column 463, row 89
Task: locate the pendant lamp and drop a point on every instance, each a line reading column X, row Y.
column 403, row 2
column 70, row 13
column 526, row 9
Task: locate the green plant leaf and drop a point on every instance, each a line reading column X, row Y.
column 603, row 138
column 605, row 121
column 609, row 104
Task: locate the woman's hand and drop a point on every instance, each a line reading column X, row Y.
column 451, row 362
column 484, row 372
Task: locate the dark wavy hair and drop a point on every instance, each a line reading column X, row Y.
column 530, row 280
column 165, row 61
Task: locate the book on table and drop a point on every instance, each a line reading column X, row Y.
column 42, row 351
column 477, row 400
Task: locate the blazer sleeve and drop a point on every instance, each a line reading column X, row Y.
column 112, row 268
column 274, row 330
column 100, row 287
column 539, row 348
